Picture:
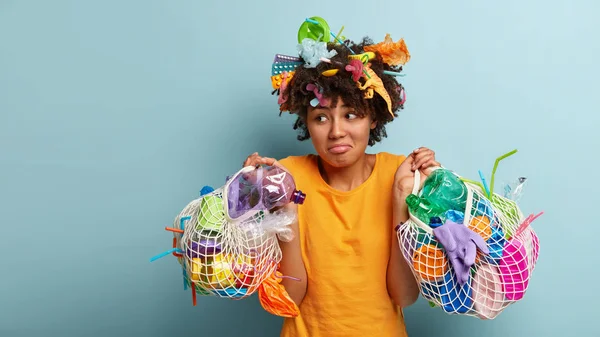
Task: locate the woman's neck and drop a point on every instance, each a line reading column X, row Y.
column 349, row 177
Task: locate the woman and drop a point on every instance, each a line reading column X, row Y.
column 353, row 278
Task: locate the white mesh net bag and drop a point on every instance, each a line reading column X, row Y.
column 227, row 239
column 471, row 254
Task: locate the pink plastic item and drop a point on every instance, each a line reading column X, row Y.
column 487, row 292
column 513, row 270
column 536, row 247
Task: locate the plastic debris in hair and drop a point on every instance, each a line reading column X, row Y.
column 319, row 99
column 311, row 52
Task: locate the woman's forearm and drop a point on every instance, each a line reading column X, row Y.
column 400, row 281
column 292, row 264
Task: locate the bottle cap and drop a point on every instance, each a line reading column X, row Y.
column 298, row 197
column 435, row 222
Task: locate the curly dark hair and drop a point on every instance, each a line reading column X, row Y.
column 342, row 86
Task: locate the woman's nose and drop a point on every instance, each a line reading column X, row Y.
column 337, row 130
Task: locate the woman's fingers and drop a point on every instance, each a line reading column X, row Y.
column 250, row 159
column 421, row 159
column 256, row 160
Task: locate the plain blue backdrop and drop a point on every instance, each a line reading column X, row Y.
column 113, row 115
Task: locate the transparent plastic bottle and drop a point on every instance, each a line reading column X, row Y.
column 444, row 189
column 423, row 209
column 262, row 189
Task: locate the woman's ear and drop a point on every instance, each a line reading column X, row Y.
column 373, row 124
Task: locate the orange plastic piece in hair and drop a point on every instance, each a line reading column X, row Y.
column 392, row 53
column 277, row 79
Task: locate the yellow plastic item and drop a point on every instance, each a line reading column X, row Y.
column 275, row 299
column 330, row 72
column 374, row 83
column 363, row 57
column 221, row 271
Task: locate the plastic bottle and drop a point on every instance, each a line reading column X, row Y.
column 444, row 189
column 423, row 209
column 262, row 189
column 514, row 190
column 279, row 188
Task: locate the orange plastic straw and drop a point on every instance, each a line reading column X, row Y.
column 174, row 230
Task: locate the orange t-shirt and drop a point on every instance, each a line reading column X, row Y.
column 345, row 239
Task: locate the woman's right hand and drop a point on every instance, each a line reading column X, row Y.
column 256, row 160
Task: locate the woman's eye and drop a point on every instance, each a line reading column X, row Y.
column 321, row 118
column 351, row 116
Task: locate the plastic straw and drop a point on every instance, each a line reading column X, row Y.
column 473, row 182
column 154, row 258
column 496, row 167
column 340, row 33
column 194, row 295
column 485, row 186
column 182, row 221
column 526, row 223
column 185, row 286
column 340, row 41
column 393, row 73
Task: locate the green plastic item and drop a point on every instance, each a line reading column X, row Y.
column 423, row 209
column 431, row 304
column 315, row 28
column 212, row 214
column 511, row 214
column 496, row 167
column 444, row 188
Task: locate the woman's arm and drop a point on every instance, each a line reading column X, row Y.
column 291, row 263
column 401, row 283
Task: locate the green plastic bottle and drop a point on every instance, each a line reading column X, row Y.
column 444, row 189
column 423, row 209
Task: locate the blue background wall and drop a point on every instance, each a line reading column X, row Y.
column 113, row 114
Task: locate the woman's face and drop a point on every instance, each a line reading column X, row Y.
column 338, row 134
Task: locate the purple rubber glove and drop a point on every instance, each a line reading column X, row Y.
column 461, row 245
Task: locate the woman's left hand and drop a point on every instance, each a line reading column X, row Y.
column 422, row 159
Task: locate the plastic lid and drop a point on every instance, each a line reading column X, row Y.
column 310, row 29
column 435, row 222
column 412, row 200
column 298, row 197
